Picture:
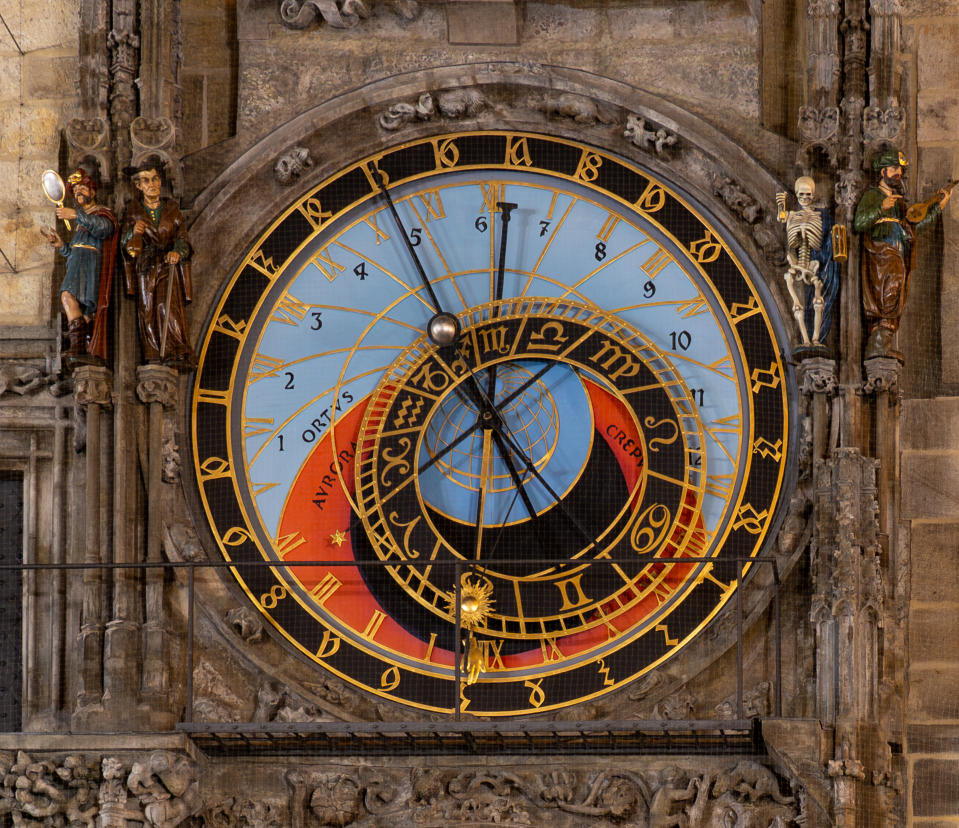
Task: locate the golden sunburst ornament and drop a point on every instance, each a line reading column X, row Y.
column 476, row 602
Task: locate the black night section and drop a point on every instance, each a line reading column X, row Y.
column 344, row 191
column 729, row 282
column 285, row 238
column 616, row 179
column 480, row 149
column 408, row 161
column 218, row 362
column 554, row 155
column 210, row 428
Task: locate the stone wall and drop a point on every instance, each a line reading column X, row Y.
column 930, row 503
column 657, row 47
column 38, row 95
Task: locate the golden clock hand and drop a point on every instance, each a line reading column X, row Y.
column 443, row 327
column 486, row 469
column 506, row 207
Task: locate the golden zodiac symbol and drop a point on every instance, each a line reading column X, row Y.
column 394, row 459
column 269, row 600
column 650, row 422
column 411, row 553
column 644, row 538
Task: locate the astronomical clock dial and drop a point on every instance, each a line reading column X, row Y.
column 505, row 361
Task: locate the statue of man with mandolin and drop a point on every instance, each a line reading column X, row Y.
column 888, row 228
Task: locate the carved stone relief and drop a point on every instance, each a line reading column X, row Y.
column 22, row 379
column 454, row 105
column 291, row 165
column 339, row 14
column 648, row 136
column 742, row 794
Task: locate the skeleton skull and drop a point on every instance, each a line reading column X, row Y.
column 805, row 190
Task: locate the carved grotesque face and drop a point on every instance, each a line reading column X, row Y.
column 805, row 190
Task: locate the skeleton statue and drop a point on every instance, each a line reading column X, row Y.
column 813, row 276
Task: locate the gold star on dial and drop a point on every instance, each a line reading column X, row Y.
column 338, row 537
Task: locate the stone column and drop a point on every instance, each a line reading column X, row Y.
column 846, row 612
column 93, row 389
column 882, row 380
column 157, row 387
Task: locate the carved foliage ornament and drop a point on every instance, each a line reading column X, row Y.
column 339, row 14
column 648, row 136
column 745, row 793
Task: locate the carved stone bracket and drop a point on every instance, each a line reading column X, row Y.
column 291, row 165
column 819, row 129
column 156, row 137
column 338, row 14
column 818, row 376
column 157, row 383
column 90, row 138
column 882, row 126
column 882, row 375
column 93, row 385
column 648, row 136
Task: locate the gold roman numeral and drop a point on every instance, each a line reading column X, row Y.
column 656, row 263
column 572, row 592
column 432, row 204
column 327, row 266
column 374, row 624
column 263, row 367
column 328, row 584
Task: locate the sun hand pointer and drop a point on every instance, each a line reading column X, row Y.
column 443, row 328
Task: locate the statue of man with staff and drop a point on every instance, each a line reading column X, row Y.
column 156, row 260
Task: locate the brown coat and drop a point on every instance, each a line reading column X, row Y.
column 162, row 290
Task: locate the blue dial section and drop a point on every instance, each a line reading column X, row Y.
column 353, row 300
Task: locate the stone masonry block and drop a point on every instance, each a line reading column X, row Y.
column 483, row 21
column 936, row 49
column 24, row 302
column 935, row 787
column 930, row 485
column 49, row 76
column 934, row 634
column 930, row 424
column 930, row 8
column 937, row 114
column 935, row 562
column 937, row 738
column 932, row 693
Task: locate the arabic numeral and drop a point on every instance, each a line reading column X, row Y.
column 360, row 270
column 280, row 438
column 317, row 322
column 289, row 381
column 649, row 290
column 600, row 253
column 416, row 236
column 698, row 395
column 544, row 228
column 480, row 224
column 681, row 339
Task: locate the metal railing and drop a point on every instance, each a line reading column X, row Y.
column 515, row 734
